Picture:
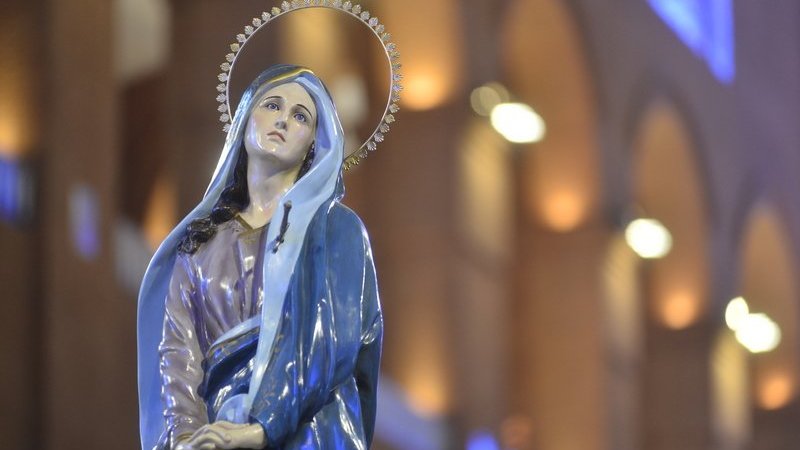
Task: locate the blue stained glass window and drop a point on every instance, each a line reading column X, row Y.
column 706, row 27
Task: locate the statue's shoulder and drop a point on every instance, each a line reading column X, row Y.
column 344, row 219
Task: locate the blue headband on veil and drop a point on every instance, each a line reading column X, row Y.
column 319, row 186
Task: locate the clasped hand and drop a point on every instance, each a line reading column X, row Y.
column 224, row 435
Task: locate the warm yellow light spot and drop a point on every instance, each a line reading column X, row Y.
column 433, row 59
column 427, row 399
column 518, row 123
column 758, row 333
column 15, row 126
column 564, row 210
column 160, row 217
column 424, row 90
column 18, row 124
column 679, row 310
column 8, row 141
column 649, row 238
column 736, row 313
column 775, row 391
column 16, row 110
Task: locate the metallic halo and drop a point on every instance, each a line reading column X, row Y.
column 379, row 30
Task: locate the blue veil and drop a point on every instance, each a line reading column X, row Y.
column 320, row 185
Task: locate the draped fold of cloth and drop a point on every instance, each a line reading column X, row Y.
column 312, row 383
column 319, row 389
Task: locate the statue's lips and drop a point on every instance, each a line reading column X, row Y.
column 277, row 135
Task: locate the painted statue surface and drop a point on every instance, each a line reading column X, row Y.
column 259, row 320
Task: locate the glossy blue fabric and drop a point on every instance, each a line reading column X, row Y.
column 319, row 388
column 315, row 367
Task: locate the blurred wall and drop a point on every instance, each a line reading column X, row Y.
column 516, row 314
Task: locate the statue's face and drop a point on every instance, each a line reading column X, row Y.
column 282, row 126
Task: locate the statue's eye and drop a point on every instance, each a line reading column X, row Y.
column 300, row 117
column 272, row 106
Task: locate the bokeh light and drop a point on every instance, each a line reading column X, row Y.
column 736, row 313
column 424, row 90
column 758, row 333
column 564, row 209
column 680, row 310
column 484, row 98
column 775, row 391
column 482, row 440
column 518, row 123
column 649, row 238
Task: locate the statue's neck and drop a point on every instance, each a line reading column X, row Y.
column 266, row 186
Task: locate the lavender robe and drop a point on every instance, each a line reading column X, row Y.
column 319, row 388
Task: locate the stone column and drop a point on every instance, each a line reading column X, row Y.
column 676, row 399
column 89, row 403
column 21, row 42
column 559, row 338
column 776, row 430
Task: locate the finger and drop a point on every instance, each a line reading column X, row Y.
column 210, row 435
column 199, row 432
column 221, row 433
column 196, row 437
column 217, row 429
column 208, row 440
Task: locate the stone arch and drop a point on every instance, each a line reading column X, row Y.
column 767, row 281
column 560, row 372
column 667, row 185
column 547, row 67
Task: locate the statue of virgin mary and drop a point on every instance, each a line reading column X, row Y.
column 259, row 324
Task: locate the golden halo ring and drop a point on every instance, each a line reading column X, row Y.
column 355, row 10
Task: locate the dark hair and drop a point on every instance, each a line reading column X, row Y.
column 234, row 198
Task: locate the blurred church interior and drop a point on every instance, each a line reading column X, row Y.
column 585, row 221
